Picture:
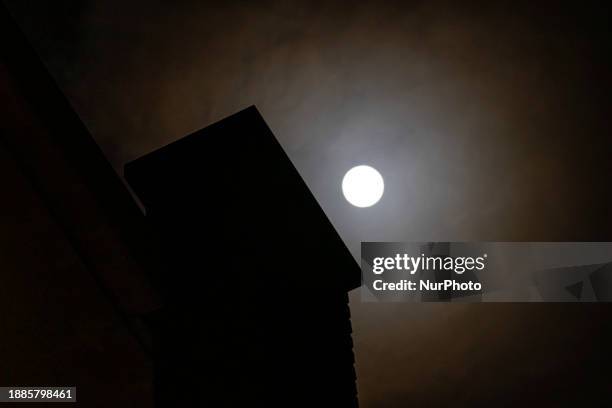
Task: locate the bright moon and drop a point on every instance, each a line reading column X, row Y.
column 363, row 186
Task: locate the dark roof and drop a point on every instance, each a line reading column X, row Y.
column 232, row 179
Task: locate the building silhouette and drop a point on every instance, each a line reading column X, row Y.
column 254, row 277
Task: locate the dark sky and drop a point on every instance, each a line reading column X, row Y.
column 488, row 122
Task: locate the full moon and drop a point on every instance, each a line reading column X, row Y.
column 363, row 186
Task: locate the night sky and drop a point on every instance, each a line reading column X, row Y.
column 488, row 123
